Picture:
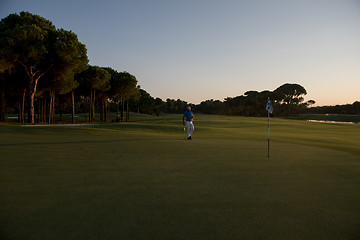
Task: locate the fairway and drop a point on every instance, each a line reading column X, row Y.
column 143, row 180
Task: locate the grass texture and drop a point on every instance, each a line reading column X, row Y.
column 143, row 180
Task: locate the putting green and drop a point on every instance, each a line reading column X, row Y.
column 142, row 180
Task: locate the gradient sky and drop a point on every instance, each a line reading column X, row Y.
column 204, row 49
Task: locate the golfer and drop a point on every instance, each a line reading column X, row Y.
column 189, row 116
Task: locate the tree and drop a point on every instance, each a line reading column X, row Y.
column 146, row 102
column 234, row 105
column 115, row 82
column 132, row 95
column 94, row 80
column 310, row 102
column 251, row 101
column 127, row 90
column 25, row 41
column 2, row 96
column 69, row 59
column 123, row 89
column 14, row 91
column 158, row 104
column 33, row 43
column 290, row 95
column 356, row 107
column 211, row 107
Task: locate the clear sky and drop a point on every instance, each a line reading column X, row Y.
column 195, row 50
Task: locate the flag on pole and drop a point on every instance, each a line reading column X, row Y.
column 269, row 107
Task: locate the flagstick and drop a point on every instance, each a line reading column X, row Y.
column 269, row 109
column 268, row 134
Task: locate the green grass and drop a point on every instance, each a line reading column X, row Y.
column 142, row 180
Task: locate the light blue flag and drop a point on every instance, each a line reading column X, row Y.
column 269, row 107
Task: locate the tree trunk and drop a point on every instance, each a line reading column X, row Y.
column 93, row 106
column 117, row 110
column 50, row 111
column 90, row 106
column 31, row 107
column 50, row 108
column 53, row 108
column 44, row 111
column 2, row 101
column 84, row 109
column 122, row 108
column 32, row 84
column 23, row 107
column 105, row 110
column 289, row 109
column 39, row 112
column 102, row 109
column 127, row 110
column 60, row 109
column 19, row 110
column 73, row 106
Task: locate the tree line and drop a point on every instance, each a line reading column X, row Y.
column 287, row 100
column 353, row 109
column 44, row 70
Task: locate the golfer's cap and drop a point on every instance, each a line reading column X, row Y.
column 189, row 108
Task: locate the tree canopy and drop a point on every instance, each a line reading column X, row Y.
column 33, row 42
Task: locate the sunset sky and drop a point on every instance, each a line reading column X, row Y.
column 199, row 50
